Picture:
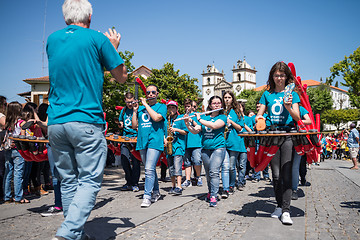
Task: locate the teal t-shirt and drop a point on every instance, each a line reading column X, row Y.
column 77, row 57
column 179, row 139
column 213, row 139
column 193, row 140
column 234, row 142
column 150, row 133
column 303, row 112
column 278, row 115
column 126, row 118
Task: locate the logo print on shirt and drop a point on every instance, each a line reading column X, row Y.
column 127, row 122
column 69, row 32
column 145, row 117
column 277, row 108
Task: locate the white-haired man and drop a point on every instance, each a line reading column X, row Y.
column 77, row 56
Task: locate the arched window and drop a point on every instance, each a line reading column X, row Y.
column 208, row 79
column 239, row 77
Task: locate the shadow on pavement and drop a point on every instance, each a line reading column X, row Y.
column 105, row 227
column 263, row 208
column 265, row 192
column 354, row 204
column 103, row 202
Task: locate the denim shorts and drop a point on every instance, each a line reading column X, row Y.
column 175, row 165
column 192, row 157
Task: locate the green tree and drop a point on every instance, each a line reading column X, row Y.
column 174, row 86
column 252, row 98
column 338, row 117
column 349, row 69
column 113, row 92
column 320, row 98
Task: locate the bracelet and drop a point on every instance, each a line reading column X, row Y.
column 199, row 119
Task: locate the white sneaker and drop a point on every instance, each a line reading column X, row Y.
column 155, row 197
column 285, row 218
column 145, row 203
column 277, row 213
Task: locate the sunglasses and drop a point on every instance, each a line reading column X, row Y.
column 152, row 92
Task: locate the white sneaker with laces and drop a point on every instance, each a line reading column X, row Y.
column 277, row 213
column 285, row 218
column 145, row 203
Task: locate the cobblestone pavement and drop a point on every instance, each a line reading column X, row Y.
column 328, row 208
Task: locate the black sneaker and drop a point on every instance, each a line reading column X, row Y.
column 303, row 182
column 52, row 211
column 231, row 190
column 225, row 194
column 126, row 188
column 294, row 195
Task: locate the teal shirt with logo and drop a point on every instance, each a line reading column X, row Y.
column 277, row 113
column 126, row 118
column 213, row 139
column 77, row 57
column 150, row 133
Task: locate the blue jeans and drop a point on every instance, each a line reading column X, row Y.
column 212, row 160
column 56, row 181
column 150, row 158
column 295, row 171
column 14, row 165
column 241, row 168
column 130, row 165
column 80, row 152
column 256, row 175
column 228, row 171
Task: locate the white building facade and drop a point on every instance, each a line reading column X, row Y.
column 215, row 84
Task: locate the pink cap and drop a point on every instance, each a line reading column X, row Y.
column 172, row 102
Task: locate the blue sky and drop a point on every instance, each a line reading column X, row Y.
column 190, row 34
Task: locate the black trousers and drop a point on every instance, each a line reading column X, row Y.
column 281, row 167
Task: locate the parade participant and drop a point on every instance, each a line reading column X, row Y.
column 281, row 113
column 242, row 162
column 304, row 114
column 176, row 134
column 234, row 144
column 77, row 57
column 15, row 163
column 212, row 128
column 353, row 144
column 3, row 105
column 129, row 163
column 193, row 150
column 149, row 119
column 265, row 172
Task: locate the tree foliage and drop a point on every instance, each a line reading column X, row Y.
column 338, row 117
column 320, row 98
column 174, row 86
column 252, row 98
column 349, row 69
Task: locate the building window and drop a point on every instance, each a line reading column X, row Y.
column 239, row 77
column 208, row 80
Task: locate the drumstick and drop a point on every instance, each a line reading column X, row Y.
column 207, row 112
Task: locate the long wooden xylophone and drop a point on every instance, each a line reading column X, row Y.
column 270, row 141
column 115, row 146
column 31, row 148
